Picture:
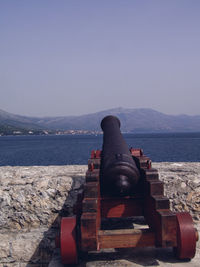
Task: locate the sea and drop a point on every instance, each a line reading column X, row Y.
column 75, row 149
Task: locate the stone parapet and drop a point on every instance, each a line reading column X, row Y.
column 182, row 186
column 33, row 199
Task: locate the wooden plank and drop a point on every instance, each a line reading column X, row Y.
column 121, row 207
column 163, row 222
column 154, row 187
column 151, row 174
column 158, row 203
column 169, row 228
column 144, row 161
column 91, row 190
column 90, row 219
column 90, row 205
column 126, row 238
column 92, row 176
column 95, row 162
column 88, row 231
column 95, row 154
column 161, row 202
column 136, row 152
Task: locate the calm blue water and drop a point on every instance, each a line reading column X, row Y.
column 68, row 149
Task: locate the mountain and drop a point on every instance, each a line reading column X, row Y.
column 9, row 119
column 132, row 120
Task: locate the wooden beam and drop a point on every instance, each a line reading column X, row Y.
column 92, row 176
column 121, row 207
column 126, row 238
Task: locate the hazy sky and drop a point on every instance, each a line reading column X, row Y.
column 77, row 57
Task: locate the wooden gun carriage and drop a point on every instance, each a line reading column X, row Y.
column 120, row 183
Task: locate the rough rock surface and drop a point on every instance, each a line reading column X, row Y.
column 182, row 186
column 32, row 199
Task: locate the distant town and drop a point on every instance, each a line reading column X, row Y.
column 10, row 131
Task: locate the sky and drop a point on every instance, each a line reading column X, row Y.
column 60, row 58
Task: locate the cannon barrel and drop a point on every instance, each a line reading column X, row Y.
column 119, row 173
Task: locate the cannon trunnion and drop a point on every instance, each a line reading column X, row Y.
column 120, row 183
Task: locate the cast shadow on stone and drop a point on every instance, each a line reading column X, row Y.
column 47, row 246
column 140, row 256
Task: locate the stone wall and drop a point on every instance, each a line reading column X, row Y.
column 32, row 200
column 182, row 186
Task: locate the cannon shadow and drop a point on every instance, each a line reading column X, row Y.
column 46, row 248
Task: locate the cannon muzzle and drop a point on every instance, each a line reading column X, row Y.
column 119, row 173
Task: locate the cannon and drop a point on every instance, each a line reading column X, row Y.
column 121, row 184
column 119, row 173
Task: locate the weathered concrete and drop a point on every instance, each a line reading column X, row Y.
column 32, row 200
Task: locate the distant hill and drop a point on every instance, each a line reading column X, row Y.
column 9, row 119
column 132, row 120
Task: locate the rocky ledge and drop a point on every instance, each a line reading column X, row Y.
column 33, row 199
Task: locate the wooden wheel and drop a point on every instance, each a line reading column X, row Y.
column 68, row 247
column 186, row 236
